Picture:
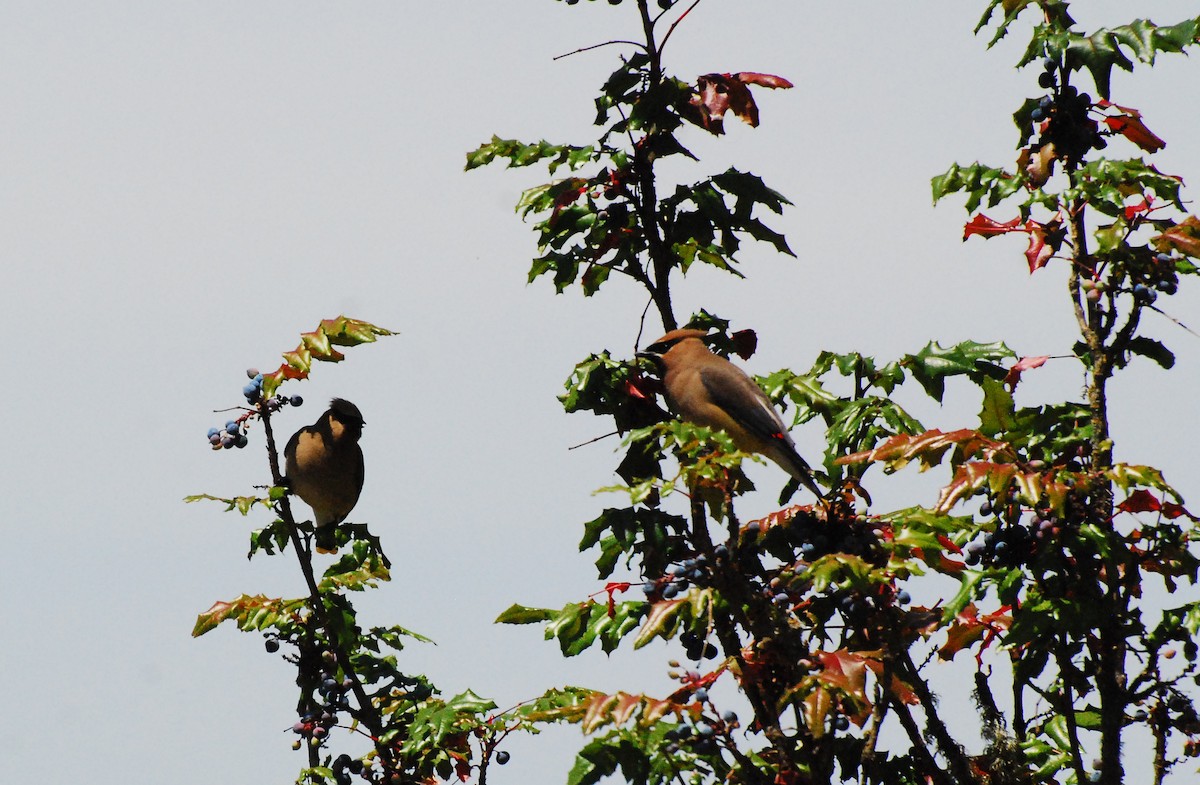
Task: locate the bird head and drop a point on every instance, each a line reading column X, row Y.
column 347, row 415
column 658, row 350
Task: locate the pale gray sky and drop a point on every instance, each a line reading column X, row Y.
column 186, row 186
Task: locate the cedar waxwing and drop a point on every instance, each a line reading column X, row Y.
column 325, row 468
column 706, row 389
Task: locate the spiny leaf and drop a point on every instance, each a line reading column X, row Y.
column 929, row 448
column 317, row 345
column 242, row 504
column 521, row 154
column 621, row 707
column 250, row 612
column 934, row 363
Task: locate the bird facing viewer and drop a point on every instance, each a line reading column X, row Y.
column 325, row 468
column 706, row 389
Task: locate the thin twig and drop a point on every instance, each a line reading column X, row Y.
column 593, row 441
column 597, row 46
column 675, row 24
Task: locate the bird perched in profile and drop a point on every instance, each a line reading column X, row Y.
column 325, row 468
column 706, row 389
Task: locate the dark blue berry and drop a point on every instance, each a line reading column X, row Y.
column 701, row 694
column 502, row 757
column 295, row 400
column 904, row 598
column 842, row 722
column 704, row 729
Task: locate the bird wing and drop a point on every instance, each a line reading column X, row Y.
column 744, row 401
column 289, row 452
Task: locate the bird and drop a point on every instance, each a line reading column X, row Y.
column 706, row 389
column 324, row 466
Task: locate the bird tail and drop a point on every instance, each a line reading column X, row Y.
column 326, row 538
column 787, row 457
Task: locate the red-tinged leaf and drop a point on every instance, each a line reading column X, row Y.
column 948, row 544
column 250, row 612
column 1133, row 129
column 298, row 360
column 1140, row 500
column 903, row 691
column 777, row 518
column 969, row 627
column 929, row 447
column 612, row 589
column 318, row 345
column 1013, row 377
column 317, row 342
column 1039, row 252
column 959, row 637
column 711, row 99
column 1038, row 163
column 633, row 391
column 620, row 708
column 745, row 342
column 1184, row 236
column 982, row 225
column 845, row 671
column 1171, row 511
column 717, row 94
column 572, row 189
column 624, row 708
column 1134, row 210
column 971, row 477
column 762, row 80
column 1044, row 241
column 946, row 565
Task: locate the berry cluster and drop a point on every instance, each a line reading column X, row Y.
column 322, row 714
column 253, row 390
column 1158, row 276
column 344, row 766
column 812, row 538
column 1065, row 113
column 696, row 647
column 229, row 436
column 1013, row 542
column 678, row 577
column 702, row 737
column 233, row 433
